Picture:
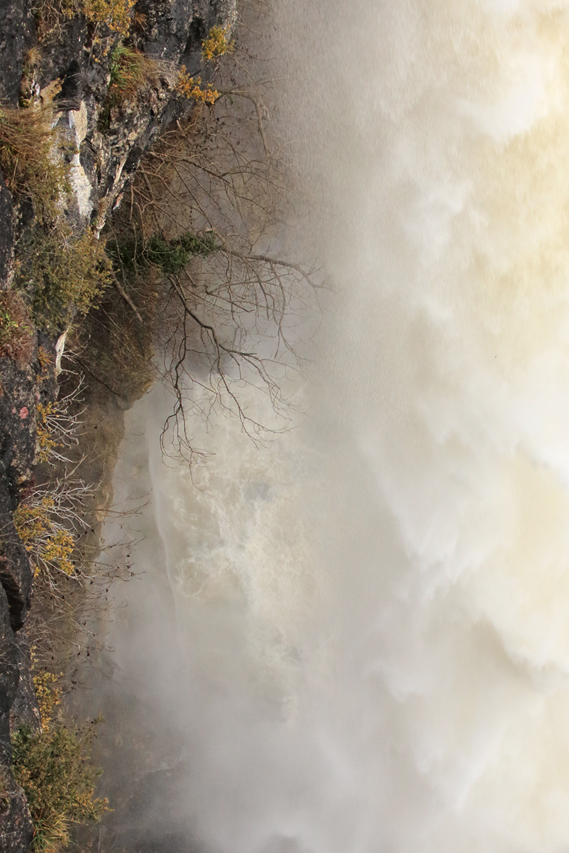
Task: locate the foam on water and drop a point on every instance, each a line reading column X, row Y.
column 373, row 611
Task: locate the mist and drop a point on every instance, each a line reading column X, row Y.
column 355, row 637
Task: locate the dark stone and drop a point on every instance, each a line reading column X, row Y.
column 15, row 571
column 16, row 583
column 6, row 232
column 16, row 828
column 9, row 677
column 15, row 32
column 15, row 823
column 133, row 159
column 25, row 709
column 18, row 401
column 71, row 87
column 65, row 60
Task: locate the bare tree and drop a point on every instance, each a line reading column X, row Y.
column 236, row 308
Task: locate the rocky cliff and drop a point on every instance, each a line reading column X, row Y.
column 64, row 63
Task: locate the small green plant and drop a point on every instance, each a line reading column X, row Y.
column 53, row 767
column 170, row 256
column 29, row 161
column 63, row 275
column 7, row 326
column 130, row 71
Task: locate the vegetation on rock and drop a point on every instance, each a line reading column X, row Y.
column 170, row 256
column 63, row 275
column 52, row 763
column 187, row 269
column 16, row 328
column 53, row 767
column 51, row 15
column 130, row 70
column 30, row 161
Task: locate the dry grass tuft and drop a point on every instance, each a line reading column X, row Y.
column 16, row 329
column 29, row 161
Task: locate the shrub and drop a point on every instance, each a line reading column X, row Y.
column 170, row 257
column 63, row 275
column 30, row 69
column 116, row 14
column 53, row 767
column 29, row 161
column 214, row 45
column 51, row 15
column 191, row 87
column 49, row 521
column 47, row 442
column 48, row 541
column 117, row 342
column 58, row 420
column 47, row 692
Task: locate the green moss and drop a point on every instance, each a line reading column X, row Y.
column 63, row 275
column 170, row 256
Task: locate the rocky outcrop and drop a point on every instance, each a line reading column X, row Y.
column 110, row 139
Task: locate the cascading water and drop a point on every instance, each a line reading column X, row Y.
column 370, row 615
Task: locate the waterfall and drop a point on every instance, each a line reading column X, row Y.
column 360, row 631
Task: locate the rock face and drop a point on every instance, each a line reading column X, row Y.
column 15, row 35
column 15, row 823
column 19, row 391
column 111, row 138
column 106, row 142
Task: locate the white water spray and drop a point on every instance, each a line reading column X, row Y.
column 373, row 613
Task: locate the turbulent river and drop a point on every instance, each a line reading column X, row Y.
column 361, row 629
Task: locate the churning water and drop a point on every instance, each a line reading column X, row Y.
column 371, row 614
